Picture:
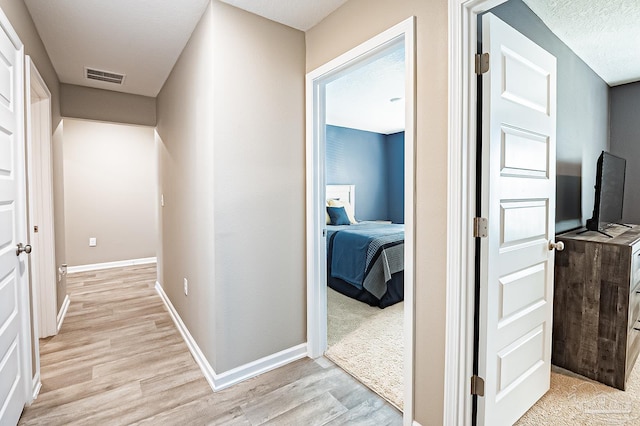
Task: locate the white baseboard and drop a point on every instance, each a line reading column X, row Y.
column 235, row 375
column 63, row 312
column 260, row 366
column 36, row 386
column 416, row 423
column 202, row 362
column 108, row 265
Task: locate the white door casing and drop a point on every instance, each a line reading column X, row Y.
column 518, row 199
column 315, row 192
column 40, row 183
column 15, row 351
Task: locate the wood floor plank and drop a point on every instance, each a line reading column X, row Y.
column 373, row 411
column 80, row 410
column 281, row 400
column 314, row 412
column 131, row 410
column 165, row 380
column 84, row 337
column 120, row 360
column 199, row 412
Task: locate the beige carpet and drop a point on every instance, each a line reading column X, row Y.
column 345, row 315
column 575, row 400
column 368, row 343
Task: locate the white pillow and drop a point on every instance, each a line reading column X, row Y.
column 347, row 207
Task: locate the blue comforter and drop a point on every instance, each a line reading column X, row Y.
column 359, row 249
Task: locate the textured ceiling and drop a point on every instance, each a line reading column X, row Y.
column 362, row 99
column 605, row 34
column 141, row 38
column 299, row 14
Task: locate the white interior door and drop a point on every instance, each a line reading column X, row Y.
column 518, row 199
column 15, row 361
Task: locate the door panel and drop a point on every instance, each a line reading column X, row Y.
column 524, row 153
column 521, row 290
column 14, row 337
column 518, row 199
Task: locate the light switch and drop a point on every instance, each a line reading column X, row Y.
column 92, row 242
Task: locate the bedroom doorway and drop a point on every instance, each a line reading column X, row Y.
column 394, row 45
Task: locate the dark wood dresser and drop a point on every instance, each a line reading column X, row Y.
column 596, row 305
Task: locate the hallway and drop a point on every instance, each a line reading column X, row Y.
column 119, row 359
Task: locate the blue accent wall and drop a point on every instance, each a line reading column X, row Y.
column 395, row 168
column 374, row 163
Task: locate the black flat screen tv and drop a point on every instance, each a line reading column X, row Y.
column 607, row 209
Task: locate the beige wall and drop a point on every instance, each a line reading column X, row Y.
column 110, row 191
column 185, row 170
column 350, row 25
column 259, row 182
column 21, row 21
column 106, row 105
column 57, row 157
column 231, row 118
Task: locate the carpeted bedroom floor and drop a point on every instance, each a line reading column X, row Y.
column 576, row 400
column 368, row 343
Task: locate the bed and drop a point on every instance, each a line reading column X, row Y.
column 365, row 260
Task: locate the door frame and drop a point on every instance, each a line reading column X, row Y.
column 463, row 38
column 404, row 32
column 40, row 187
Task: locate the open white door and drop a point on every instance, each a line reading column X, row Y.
column 15, row 358
column 518, row 199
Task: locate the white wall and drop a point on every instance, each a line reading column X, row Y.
column 110, row 191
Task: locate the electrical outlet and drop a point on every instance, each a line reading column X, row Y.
column 186, row 287
column 92, row 242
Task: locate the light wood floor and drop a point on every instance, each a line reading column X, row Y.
column 120, row 360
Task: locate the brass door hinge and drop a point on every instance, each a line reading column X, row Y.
column 480, row 227
column 482, row 63
column 477, row 385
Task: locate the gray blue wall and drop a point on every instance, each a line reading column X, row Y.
column 395, row 165
column 582, row 122
column 625, row 142
column 374, row 163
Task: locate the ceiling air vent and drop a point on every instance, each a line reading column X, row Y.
column 106, row 76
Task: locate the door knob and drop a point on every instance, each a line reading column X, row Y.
column 22, row 248
column 559, row 246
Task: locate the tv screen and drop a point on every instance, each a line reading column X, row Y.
column 609, row 195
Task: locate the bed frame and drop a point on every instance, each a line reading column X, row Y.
column 395, row 292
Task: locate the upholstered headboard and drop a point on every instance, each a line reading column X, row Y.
column 343, row 193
